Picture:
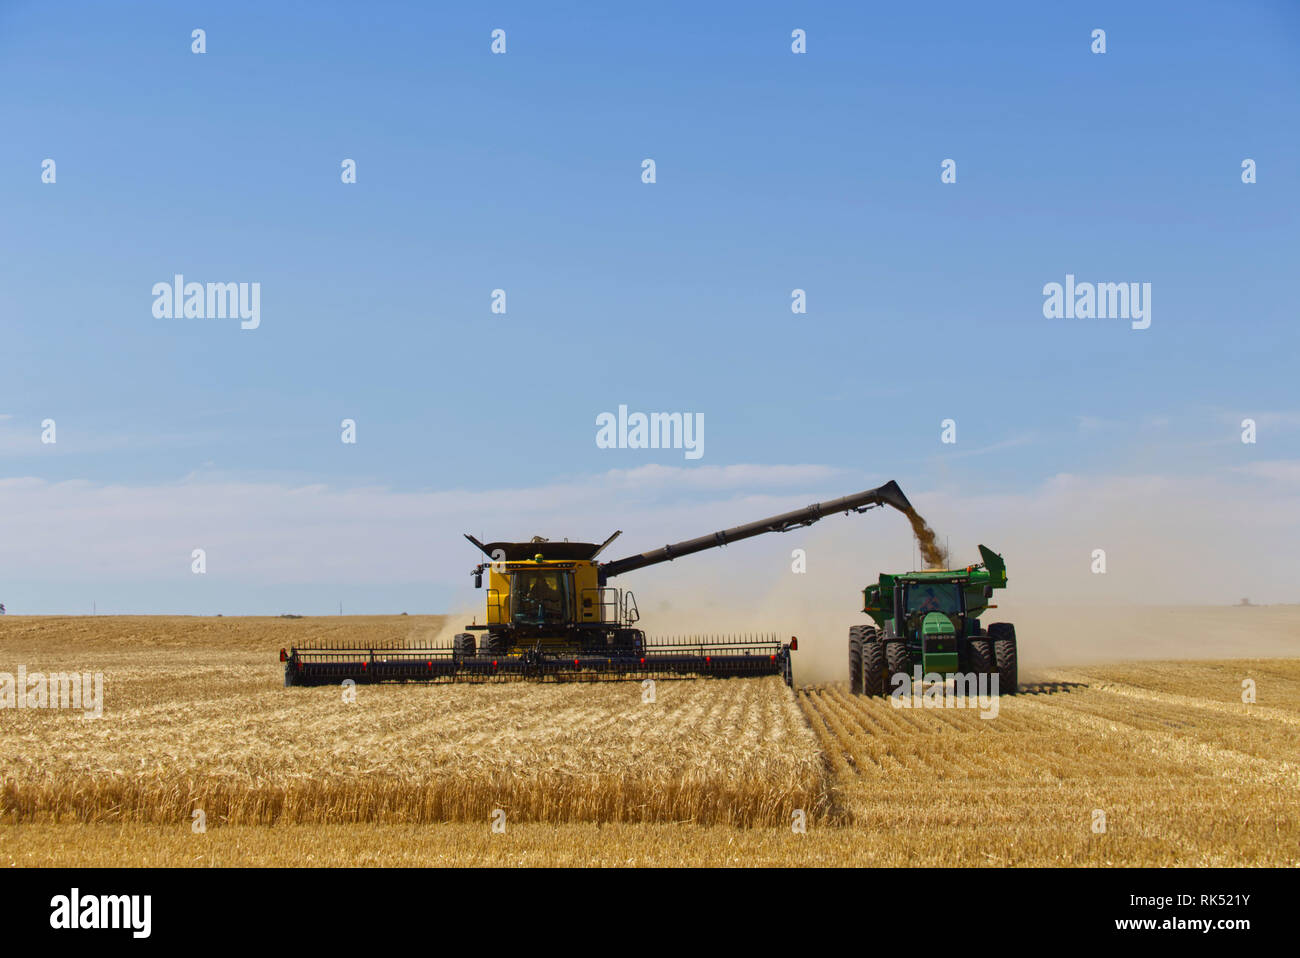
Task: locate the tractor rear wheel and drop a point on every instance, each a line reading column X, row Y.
column 873, row 665
column 855, row 659
column 979, row 655
column 896, row 659
column 1003, row 635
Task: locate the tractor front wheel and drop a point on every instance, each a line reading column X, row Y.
column 896, row 659
column 979, row 654
column 462, row 644
column 873, row 665
column 1003, row 635
column 855, row 660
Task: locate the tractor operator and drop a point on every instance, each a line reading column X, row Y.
column 931, row 602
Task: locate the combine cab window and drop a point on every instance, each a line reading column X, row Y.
column 933, row 597
column 539, row 598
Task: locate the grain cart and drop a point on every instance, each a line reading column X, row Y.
column 553, row 614
column 931, row 619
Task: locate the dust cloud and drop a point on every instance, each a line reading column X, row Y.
column 1062, row 635
column 439, row 635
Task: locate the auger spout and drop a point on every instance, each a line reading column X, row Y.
column 888, row 494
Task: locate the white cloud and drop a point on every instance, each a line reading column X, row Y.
column 268, row 531
column 17, row 441
column 1265, row 419
column 720, row 477
column 1281, row 470
column 960, row 453
column 1094, row 423
column 1168, row 539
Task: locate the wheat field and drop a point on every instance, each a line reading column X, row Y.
column 711, row 773
column 217, row 731
column 1182, row 771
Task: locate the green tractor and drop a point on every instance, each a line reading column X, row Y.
column 931, row 619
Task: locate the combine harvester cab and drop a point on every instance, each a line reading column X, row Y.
column 552, row 614
column 931, row 619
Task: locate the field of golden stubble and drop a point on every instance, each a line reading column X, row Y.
column 196, row 717
column 1183, row 771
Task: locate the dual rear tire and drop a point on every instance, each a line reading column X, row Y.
column 994, row 653
column 896, row 660
column 1003, row 638
column 855, row 658
column 866, row 661
column 873, row 666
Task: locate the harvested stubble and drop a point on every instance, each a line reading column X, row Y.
column 195, row 717
column 200, row 721
column 1184, row 772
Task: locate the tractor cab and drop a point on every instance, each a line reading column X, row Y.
column 935, row 610
column 922, row 598
column 549, row 595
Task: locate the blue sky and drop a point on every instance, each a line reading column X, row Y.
column 522, row 171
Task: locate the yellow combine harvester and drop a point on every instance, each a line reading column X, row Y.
column 552, row 614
